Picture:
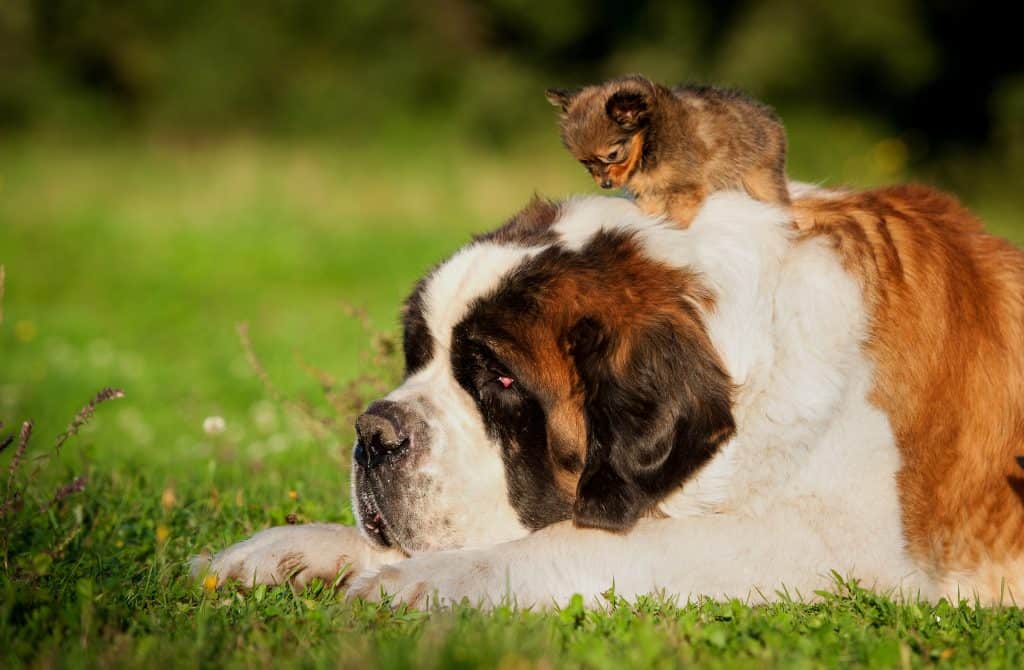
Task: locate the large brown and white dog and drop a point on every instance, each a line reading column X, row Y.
column 595, row 397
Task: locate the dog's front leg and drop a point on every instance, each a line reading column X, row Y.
column 722, row 556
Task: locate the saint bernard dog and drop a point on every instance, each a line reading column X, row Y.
column 597, row 398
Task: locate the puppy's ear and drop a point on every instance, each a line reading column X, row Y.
column 657, row 408
column 561, row 97
column 630, row 109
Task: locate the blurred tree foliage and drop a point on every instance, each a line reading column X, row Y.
column 947, row 71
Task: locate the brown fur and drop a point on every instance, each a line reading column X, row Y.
column 671, row 148
column 946, row 302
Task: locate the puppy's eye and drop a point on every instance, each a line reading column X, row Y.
column 612, row 157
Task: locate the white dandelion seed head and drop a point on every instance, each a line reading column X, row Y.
column 214, row 425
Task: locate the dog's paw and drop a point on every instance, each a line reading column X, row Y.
column 437, row 579
column 293, row 555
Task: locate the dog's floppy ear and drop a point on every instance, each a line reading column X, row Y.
column 628, row 108
column 561, row 97
column 657, row 407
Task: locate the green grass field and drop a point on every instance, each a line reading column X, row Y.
column 129, row 264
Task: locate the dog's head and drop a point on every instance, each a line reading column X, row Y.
column 555, row 369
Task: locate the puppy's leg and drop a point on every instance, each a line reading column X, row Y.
column 767, row 185
column 294, row 554
column 682, row 204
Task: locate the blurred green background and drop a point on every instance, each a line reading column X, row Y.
column 170, row 169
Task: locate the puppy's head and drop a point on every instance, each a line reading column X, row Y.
column 604, row 126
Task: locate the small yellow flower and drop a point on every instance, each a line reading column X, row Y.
column 168, row 499
column 162, row 533
column 293, row 495
column 210, row 583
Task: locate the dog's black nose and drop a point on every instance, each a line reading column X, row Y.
column 382, row 432
column 606, row 183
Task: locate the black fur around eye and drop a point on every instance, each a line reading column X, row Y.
column 497, row 381
column 489, row 375
column 499, row 385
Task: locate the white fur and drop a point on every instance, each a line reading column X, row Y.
column 471, row 273
column 806, row 485
column 584, row 217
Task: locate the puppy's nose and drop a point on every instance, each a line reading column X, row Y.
column 381, row 433
column 606, row 183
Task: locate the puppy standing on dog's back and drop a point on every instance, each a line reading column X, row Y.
column 671, row 148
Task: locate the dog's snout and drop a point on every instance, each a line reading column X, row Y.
column 606, row 183
column 382, row 431
column 379, row 431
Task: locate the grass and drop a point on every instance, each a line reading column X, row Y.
column 130, row 264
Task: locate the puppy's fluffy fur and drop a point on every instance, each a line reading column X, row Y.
column 671, row 148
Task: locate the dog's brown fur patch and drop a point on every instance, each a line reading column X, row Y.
column 946, row 306
column 629, row 293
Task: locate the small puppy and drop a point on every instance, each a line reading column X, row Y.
column 671, row 148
